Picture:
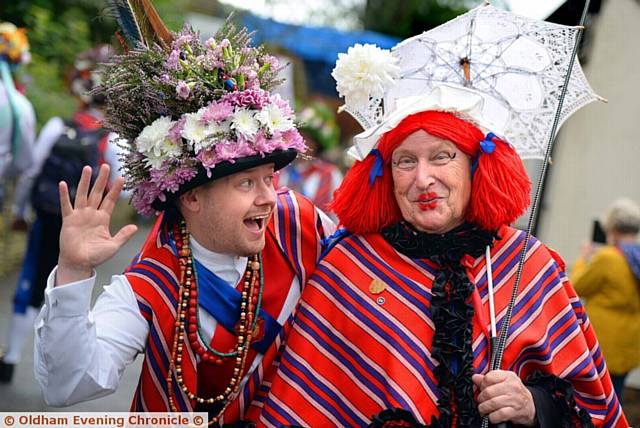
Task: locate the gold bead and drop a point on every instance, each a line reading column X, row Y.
column 255, row 265
column 200, row 400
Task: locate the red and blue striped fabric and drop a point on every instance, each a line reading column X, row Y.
column 290, row 255
column 353, row 352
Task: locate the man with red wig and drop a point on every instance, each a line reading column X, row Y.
column 394, row 328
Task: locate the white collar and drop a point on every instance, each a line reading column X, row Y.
column 227, row 266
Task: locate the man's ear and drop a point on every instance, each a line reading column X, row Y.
column 190, row 200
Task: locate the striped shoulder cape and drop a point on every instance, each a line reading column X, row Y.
column 293, row 246
column 362, row 338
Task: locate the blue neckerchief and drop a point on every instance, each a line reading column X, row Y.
column 222, row 302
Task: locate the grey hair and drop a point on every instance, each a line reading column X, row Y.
column 622, row 216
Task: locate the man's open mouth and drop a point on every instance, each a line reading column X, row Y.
column 256, row 223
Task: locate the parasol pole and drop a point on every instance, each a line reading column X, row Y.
column 496, row 357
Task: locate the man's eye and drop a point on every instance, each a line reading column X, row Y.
column 268, row 180
column 247, row 183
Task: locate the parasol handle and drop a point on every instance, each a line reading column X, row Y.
column 496, row 357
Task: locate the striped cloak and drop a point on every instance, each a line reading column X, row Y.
column 293, row 246
column 358, row 347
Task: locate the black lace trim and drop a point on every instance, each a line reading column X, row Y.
column 451, row 310
column 451, row 246
column 394, row 418
column 561, row 392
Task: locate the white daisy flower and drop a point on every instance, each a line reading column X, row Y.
column 194, row 130
column 245, row 123
column 364, row 71
column 274, row 119
column 154, row 134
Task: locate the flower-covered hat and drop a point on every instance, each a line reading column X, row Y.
column 193, row 111
column 14, row 45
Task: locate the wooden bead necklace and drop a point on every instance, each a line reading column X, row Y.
column 187, row 320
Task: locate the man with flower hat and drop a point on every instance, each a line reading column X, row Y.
column 396, row 327
column 209, row 297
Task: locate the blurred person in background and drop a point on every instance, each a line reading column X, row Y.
column 17, row 117
column 608, row 279
column 315, row 177
column 62, row 149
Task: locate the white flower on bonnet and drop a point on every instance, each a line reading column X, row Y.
column 364, row 72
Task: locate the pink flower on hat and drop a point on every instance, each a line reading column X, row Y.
column 208, row 158
column 146, row 192
column 231, row 150
column 293, row 140
column 217, row 112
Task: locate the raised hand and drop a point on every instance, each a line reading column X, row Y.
column 85, row 239
column 504, row 398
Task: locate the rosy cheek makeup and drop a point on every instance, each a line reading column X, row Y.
column 427, row 201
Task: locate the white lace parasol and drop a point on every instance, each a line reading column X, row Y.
column 517, row 64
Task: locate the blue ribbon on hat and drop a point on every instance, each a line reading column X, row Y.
column 376, row 169
column 486, row 146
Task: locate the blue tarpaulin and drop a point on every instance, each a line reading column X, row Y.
column 318, row 47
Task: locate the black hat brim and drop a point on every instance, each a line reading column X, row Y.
column 280, row 159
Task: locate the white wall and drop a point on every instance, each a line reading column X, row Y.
column 597, row 156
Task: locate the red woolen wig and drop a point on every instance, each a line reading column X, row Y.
column 499, row 192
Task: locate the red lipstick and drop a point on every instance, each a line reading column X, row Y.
column 427, row 201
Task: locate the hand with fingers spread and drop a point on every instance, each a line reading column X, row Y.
column 85, row 239
column 504, row 398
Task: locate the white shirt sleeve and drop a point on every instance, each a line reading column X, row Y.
column 80, row 353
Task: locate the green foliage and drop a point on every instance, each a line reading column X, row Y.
column 60, row 29
column 405, row 18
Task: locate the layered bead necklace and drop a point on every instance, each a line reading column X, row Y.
column 187, row 321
